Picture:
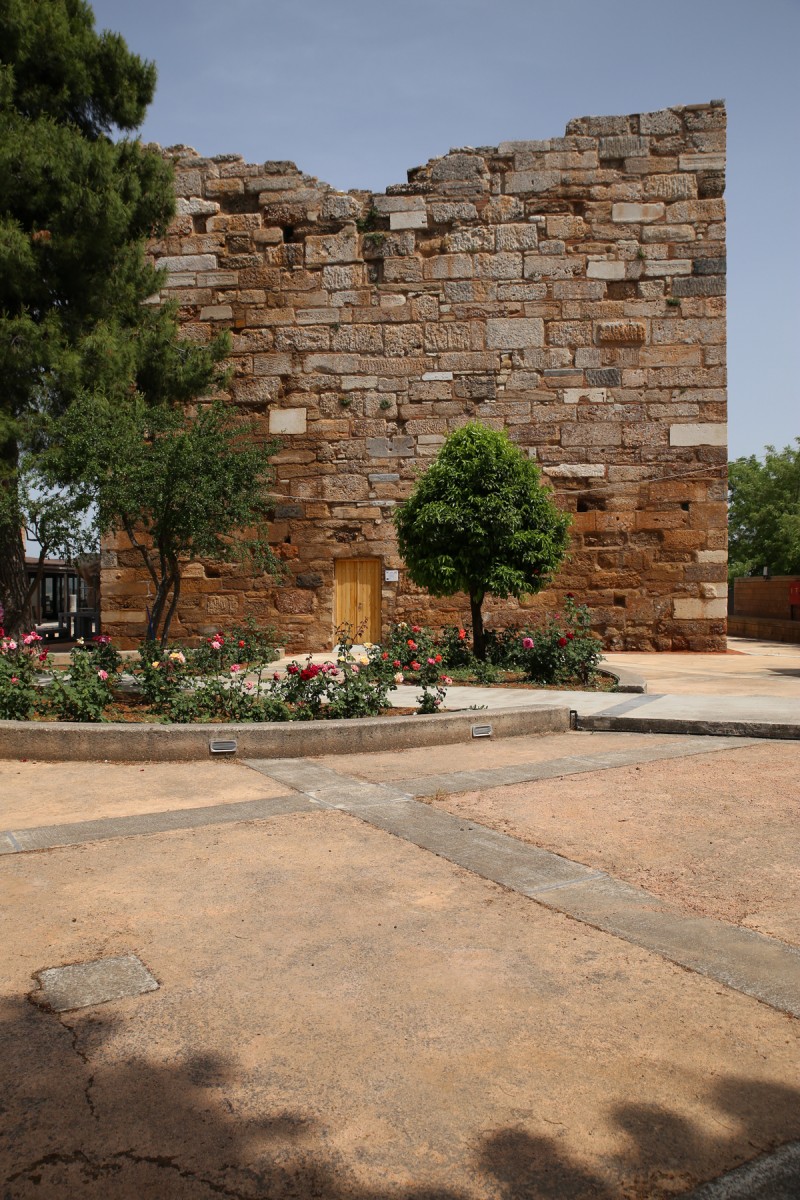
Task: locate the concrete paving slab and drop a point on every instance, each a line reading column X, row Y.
column 346, row 1016
column 74, row 833
column 714, row 833
column 81, row 985
column 38, row 793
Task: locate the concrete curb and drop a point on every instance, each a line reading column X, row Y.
column 627, row 680
column 61, row 741
column 696, row 726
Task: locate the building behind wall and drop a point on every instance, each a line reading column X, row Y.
column 570, row 291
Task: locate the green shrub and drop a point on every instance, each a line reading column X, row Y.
column 565, row 650
column 18, row 666
column 80, row 694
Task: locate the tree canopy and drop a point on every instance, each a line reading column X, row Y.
column 76, row 210
column 180, row 487
column 764, row 513
column 479, row 521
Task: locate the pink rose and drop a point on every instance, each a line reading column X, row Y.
column 234, row 668
column 431, row 662
column 527, row 643
column 102, row 675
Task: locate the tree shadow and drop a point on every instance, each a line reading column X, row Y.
column 79, row 1125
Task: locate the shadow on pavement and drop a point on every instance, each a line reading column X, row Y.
column 79, row 1124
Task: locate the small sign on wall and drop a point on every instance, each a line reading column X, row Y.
column 391, row 576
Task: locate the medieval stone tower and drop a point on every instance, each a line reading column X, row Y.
column 570, row 291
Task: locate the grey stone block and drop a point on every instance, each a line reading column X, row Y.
column 628, row 146
column 710, row 266
column 604, row 377
column 699, row 285
column 82, row 984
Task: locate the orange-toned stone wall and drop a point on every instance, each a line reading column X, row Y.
column 571, row 291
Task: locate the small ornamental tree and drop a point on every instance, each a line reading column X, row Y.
column 179, row 487
column 479, row 521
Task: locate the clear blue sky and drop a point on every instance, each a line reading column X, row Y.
column 358, row 91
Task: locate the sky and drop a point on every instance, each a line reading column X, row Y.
column 357, row 91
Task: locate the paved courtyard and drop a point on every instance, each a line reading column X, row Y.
column 562, row 966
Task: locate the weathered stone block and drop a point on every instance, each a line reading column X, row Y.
column 612, row 333
column 514, row 333
column 288, row 420
column 394, row 447
column 604, row 377
column 408, row 220
column 590, row 395
column 605, row 269
column 627, row 146
column 700, row 434
column 628, row 213
column 699, row 285
column 187, row 262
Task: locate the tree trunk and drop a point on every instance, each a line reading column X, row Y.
column 478, row 640
column 13, row 576
column 176, row 592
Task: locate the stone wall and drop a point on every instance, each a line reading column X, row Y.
column 570, row 291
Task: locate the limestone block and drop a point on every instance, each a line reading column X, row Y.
column 287, row 420
column 340, row 208
column 216, row 312
column 467, row 167
column 395, row 447
column 590, row 395
column 187, row 262
column 503, row 208
column 711, row 556
column 417, row 219
column 592, row 433
column 272, row 364
column 701, row 162
column 627, row 213
column 575, row 471
column 515, row 333
column 517, row 237
column 699, row 610
column 669, row 233
column 702, row 434
column 671, row 187
column 454, row 210
column 532, row 181
column 714, row 591
column 626, row 146
column 605, row 269
column 332, row 248
column 542, row 266
column 610, row 333
column 663, row 122
column 437, row 376
column 393, row 204
column 656, row 268
column 194, row 206
column 470, row 241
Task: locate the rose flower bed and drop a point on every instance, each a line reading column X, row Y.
column 230, row 676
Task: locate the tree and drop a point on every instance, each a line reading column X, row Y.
column 764, row 513
column 479, row 521
column 181, row 487
column 76, row 211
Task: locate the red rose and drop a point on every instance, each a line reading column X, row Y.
column 292, row 670
column 241, row 643
column 571, row 595
column 412, row 645
column 462, row 633
column 416, row 629
column 438, row 658
column 385, row 655
column 562, row 641
column 397, row 663
column 570, row 636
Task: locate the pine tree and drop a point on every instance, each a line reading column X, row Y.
column 78, row 203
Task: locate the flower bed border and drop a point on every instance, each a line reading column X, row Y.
column 60, row 741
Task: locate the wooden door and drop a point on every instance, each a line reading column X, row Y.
column 358, row 596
